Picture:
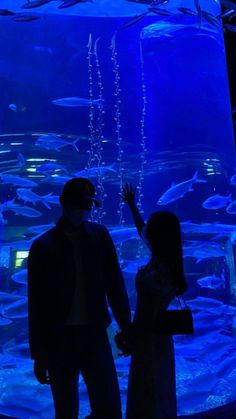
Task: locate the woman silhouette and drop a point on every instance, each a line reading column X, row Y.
column 152, row 386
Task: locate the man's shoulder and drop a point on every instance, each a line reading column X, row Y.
column 95, row 227
column 46, row 237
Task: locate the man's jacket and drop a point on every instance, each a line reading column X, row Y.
column 52, row 281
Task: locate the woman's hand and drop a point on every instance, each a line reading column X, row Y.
column 128, row 194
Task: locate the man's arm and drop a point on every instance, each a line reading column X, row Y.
column 36, row 325
column 115, row 286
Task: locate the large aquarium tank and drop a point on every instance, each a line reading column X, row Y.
column 120, row 91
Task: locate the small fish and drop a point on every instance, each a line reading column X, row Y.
column 40, row 229
column 25, row 17
column 134, row 20
column 16, row 180
column 56, row 179
column 120, row 235
column 4, row 322
column 177, row 191
column 16, row 310
column 34, row 3
column 27, row 195
column 226, row 13
column 211, row 19
column 6, row 12
column 53, row 142
column 95, row 171
column 69, row 3
column 13, row 107
column 160, row 12
column 233, row 180
column 213, row 282
column 75, row 102
column 20, row 277
column 217, row 201
column 231, row 208
column 187, row 11
column 50, row 167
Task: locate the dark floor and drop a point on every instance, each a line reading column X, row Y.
column 224, row 412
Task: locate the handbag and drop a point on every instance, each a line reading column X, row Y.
column 174, row 322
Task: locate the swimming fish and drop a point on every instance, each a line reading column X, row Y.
column 26, row 211
column 50, row 167
column 16, row 310
column 35, row 3
column 75, row 101
column 53, row 142
column 178, row 190
column 160, row 12
column 27, row 195
column 120, row 235
column 20, row 277
column 212, row 281
column 6, row 12
column 25, row 17
column 17, row 180
column 69, row 3
column 216, row 201
column 95, row 171
column 231, row 208
column 134, row 20
column 187, row 11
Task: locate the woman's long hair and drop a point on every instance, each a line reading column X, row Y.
column 164, row 238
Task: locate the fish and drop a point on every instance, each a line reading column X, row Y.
column 27, row 195
column 217, row 201
column 204, row 250
column 69, row 3
column 6, row 12
column 231, row 208
column 7, row 298
column 13, row 107
column 40, row 229
column 226, row 13
column 95, row 171
column 56, row 179
column 211, row 19
column 178, row 190
column 17, row 180
column 75, row 101
column 16, row 310
column 160, row 12
column 4, row 322
column 26, row 211
column 120, row 235
column 134, row 20
column 20, row 277
column 187, row 11
column 212, row 281
column 25, row 17
column 53, row 142
column 50, row 167
column 208, row 228
column 34, row 3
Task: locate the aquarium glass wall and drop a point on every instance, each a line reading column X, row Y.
column 117, row 92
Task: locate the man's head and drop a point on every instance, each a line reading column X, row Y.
column 77, row 197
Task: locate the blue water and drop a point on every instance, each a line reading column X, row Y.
column 164, row 125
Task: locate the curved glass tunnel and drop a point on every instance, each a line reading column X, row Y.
column 150, row 106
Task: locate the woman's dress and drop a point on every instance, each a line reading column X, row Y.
column 152, row 387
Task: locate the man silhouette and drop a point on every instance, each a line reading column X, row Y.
column 72, row 272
